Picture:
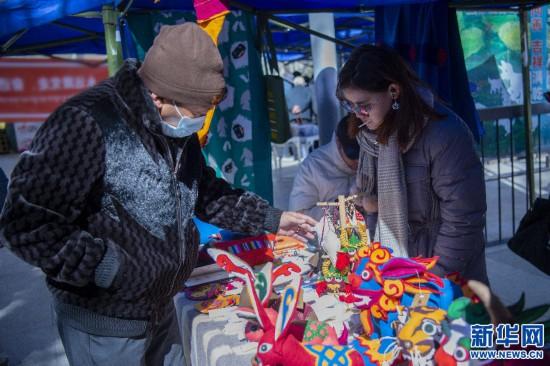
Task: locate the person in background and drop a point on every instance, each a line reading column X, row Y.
column 104, row 199
column 418, row 167
column 327, row 172
column 299, row 101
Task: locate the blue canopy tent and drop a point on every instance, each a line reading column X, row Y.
column 63, row 26
column 291, row 44
column 50, row 27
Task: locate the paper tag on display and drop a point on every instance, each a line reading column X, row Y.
column 324, row 308
column 310, row 295
column 420, row 300
column 330, row 241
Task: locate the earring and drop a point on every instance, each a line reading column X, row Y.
column 395, row 105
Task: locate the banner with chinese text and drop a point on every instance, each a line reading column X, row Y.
column 30, row 89
column 539, row 53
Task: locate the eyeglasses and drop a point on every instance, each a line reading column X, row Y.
column 356, row 108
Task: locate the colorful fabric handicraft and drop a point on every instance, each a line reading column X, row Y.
column 281, row 341
column 382, row 283
column 219, row 302
column 408, row 315
column 254, row 251
column 206, row 291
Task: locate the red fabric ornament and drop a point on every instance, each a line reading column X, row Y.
column 348, row 299
column 255, row 250
column 342, row 261
column 321, row 288
column 347, row 288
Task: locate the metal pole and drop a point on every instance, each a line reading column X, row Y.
column 526, row 62
column 325, row 69
column 494, row 5
column 13, row 39
column 112, row 39
column 41, row 46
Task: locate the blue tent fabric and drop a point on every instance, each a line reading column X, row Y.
column 20, row 14
column 38, row 15
column 427, row 37
column 278, row 5
column 16, row 15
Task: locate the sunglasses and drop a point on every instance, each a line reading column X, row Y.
column 356, row 108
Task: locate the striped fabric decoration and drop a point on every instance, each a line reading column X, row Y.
column 250, row 245
column 253, row 250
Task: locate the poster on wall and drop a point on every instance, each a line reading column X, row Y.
column 31, row 89
column 492, row 51
column 539, row 53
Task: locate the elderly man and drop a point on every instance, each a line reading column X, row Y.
column 103, row 202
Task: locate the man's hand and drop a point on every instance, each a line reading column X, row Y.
column 296, row 225
column 296, row 109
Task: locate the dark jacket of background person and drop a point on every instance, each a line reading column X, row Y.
column 108, row 218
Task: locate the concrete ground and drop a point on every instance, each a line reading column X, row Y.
column 28, row 335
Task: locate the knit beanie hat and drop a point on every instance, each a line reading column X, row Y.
column 184, row 65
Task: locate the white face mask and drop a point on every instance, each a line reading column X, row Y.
column 186, row 125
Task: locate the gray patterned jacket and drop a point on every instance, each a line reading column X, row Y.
column 103, row 202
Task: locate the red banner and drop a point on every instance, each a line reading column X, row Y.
column 30, row 89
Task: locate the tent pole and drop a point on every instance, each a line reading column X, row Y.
column 42, row 46
column 494, row 5
column 286, row 23
column 75, row 28
column 527, row 113
column 112, row 39
column 13, row 39
column 325, row 70
column 88, row 15
column 352, row 10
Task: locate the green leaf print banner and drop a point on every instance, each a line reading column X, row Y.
column 238, row 145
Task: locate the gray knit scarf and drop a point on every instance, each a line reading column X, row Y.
column 381, row 173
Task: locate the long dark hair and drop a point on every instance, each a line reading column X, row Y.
column 373, row 69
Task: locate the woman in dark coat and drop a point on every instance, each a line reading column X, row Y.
column 418, row 168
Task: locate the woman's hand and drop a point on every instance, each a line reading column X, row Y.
column 297, row 225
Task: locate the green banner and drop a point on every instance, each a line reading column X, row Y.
column 238, row 145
